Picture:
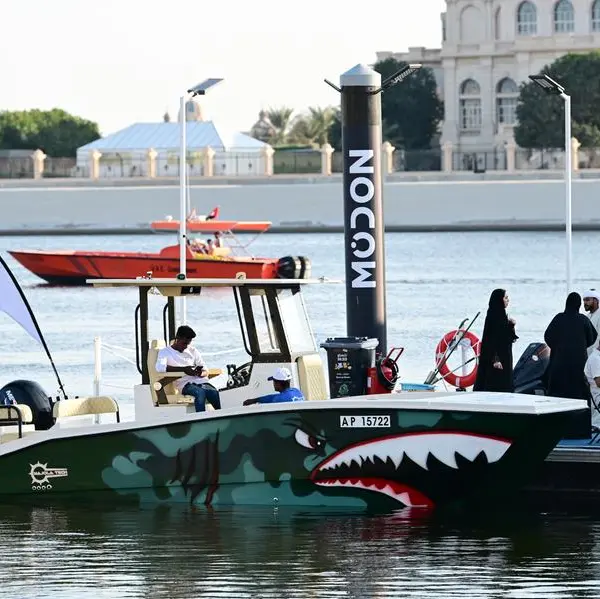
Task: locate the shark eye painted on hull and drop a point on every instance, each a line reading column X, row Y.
column 309, row 441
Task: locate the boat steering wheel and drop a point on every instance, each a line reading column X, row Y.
column 238, row 376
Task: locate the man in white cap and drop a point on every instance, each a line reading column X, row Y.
column 591, row 303
column 282, row 379
column 592, row 374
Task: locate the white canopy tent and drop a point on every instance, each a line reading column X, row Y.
column 126, row 152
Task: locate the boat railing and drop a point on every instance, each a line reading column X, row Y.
column 120, row 351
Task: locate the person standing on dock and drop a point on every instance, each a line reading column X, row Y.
column 568, row 336
column 591, row 303
column 592, row 373
column 495, row 369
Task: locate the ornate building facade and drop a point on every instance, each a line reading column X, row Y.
column 490, row 47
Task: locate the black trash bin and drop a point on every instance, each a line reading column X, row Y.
column 348, row 359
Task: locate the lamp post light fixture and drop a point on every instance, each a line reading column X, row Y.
column 198, row 90
column 551, row 86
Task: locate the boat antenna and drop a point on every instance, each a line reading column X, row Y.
column 16, row 313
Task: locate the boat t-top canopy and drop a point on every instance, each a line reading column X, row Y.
column 269, row 292
column 183, row 287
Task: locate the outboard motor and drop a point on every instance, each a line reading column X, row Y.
column 293, row 267
column 529, row 373
column 30, row 394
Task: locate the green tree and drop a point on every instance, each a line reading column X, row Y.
column 411, row 110
column 541, row 115
column 281, row 119
column 335, row 131
column 55, row 131
column 313, row 128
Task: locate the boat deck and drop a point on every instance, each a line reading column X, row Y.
column 569, row 476
column 577, row 450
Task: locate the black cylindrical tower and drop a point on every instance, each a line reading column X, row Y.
column 363, row 205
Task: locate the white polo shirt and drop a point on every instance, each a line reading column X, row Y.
column 592, row 370
column 190, row 356
column 595, row 320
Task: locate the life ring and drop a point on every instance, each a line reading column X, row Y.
column 456, row 380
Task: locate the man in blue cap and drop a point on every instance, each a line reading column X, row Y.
column 282, row 379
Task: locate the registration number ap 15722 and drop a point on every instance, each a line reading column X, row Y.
column 363, row 421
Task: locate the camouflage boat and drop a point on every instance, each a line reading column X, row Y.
column 404, row 449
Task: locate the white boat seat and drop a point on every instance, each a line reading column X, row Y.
column 14, row 412
column 164, row 392
column 84, row 406
column 312, row 377
column 19, row 415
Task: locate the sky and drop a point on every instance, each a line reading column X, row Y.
column 117, row 62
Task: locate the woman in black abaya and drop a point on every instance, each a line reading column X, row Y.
column 495, row 369
column 568, row 336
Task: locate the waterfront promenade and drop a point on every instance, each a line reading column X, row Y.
column 525, row 200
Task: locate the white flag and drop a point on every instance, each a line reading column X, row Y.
column 14, row 303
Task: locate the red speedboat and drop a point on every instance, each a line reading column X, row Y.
column 222, row 257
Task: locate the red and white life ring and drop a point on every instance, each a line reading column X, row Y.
column 456, row 380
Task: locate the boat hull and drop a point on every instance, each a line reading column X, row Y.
column 367, row 456
column 74, row 268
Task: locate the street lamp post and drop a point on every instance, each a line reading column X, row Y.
column 553, row 87
column 197, row 90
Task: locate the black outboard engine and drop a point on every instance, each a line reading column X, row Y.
column 31, row 394
column 293, row 267
column 529, row 374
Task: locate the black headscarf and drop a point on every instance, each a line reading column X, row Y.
column 496, row 306
column 496, row 329
column 573, row 303
column 496, row 345
column 568, row 336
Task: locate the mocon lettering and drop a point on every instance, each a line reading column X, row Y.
column 362, row 191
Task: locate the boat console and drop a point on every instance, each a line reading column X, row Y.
column 275, row 331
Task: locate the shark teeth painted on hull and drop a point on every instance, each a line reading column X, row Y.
column 404, row 494
column 418, row 447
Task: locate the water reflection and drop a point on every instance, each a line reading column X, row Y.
column 182, row 552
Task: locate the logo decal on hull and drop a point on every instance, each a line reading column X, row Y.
column 40, row 476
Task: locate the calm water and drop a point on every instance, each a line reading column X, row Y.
column 181, row 553
column 434, row 281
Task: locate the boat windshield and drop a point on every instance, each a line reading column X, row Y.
column 268, row 340
column 295, row 321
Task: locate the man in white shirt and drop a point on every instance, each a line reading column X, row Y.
column 592, row 374
column 181, row 356
column 591, row 303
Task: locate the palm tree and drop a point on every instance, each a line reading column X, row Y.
column 280, row 119
column 314, row 127
column 302, row 132
column 320, row 122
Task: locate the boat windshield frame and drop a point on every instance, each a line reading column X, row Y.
column 272, row 316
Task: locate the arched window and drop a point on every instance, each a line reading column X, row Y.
column 596, row 16
column 470, row 106
column 507, row 94
column 526, row 18
column 564, row 17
